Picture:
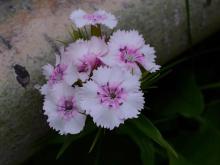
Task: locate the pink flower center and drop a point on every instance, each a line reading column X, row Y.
column 57, row 74
column 88, row 64
column 67, row 107
column 111, row 95
column 95, row 18
column 83, row 67
column 130, row 56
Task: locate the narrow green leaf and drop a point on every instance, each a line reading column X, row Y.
column 211, row 86
column 98, row 134
column 65, row 43
column 146, row 147
column 90, row 127
column 71, row 33
column 150, row 78
column 148, row 129
column 96, row 31
column 86, row 33
column 178, row 161
column 182, row 96
column 202, row 147
column 66, row 144
column 81, row 34
column 147, row 152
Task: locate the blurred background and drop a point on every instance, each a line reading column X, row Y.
column 183, row 104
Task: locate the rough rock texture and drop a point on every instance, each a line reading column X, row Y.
column 26, row 25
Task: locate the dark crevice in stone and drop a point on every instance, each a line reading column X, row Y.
column 5, row 42
column 207, row 3
column 188, row 17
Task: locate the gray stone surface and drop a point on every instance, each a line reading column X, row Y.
column 205, row 18
column 24, row 23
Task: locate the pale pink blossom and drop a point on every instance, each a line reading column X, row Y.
column 63, row 110
column 81, row 18
column 57, row 74
column 83, row 57
column 128, row 50
column 111, row 97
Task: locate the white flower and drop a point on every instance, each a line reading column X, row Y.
column 127, row 49
column 83, row 57
column 81, row 18
column 112, row 96
column 63, row 110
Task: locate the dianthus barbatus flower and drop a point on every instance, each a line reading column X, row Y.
column 83, row 57
column 63, row 110
column 55, row 74
column 81, row 18
column 128, row 49
column 112, row 96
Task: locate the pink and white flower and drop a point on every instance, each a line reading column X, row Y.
column 53, row 75
column 81, row 18
column 111, row 97
column 63, row 110
column 128, row 49
column 83, row 57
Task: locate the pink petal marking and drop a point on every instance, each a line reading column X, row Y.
column 57, row 74
column 111, row 95
column 67, row 107
column 131, row 56
column 94, row 17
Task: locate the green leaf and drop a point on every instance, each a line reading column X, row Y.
column 211, row 86
column 147, row 153
column 66, row 144
column 150, row 78
column 200, row 148
column 145, row 126
column 76, row 34
column 96, row 30
column 179, row 161
column 182, row 96
column 69, row 139
column 65, row 43
column 98, row 134
column 145, row 145
column 86, row 33
column 203, row 146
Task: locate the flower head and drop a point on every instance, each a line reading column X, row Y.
column 112, row 96
column 81, row 18
column 53, row 75
column 127, row 49
column 63, row 110
column 83, row 57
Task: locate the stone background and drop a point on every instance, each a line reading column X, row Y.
column 171, row 26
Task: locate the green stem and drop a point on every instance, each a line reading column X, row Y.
column 210, row 86
column 95, row 140
column 86, row 33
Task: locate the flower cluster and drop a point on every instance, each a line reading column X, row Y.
column 97, row 76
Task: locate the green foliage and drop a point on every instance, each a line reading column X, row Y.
column 69, row 139
column 144, row 144
column 96, row 30
column 98, row 134
column 145, row 126
column 143, row 132
column 202, row 147
column 184, row 98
